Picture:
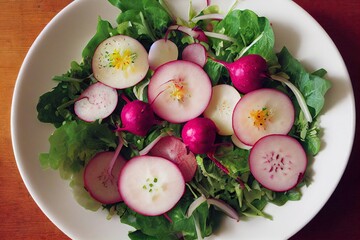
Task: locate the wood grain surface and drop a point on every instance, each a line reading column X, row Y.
column 22, row 21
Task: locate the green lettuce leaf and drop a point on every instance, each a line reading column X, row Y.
column 74, row 143
column 312, row 86
column 253, row 35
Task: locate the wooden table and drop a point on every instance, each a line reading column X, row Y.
column 22, row 21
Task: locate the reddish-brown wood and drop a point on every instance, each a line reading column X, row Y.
column 22, row 21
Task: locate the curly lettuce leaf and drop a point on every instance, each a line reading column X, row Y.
column 74, row 143
column 145, row 20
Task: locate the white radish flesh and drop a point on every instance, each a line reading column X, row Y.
column 98, row 101
column 220, row 109
column 179, row 91
column 162, row 51
column 120, row 62
column 195, row 53
column 175, row 150
column 278, row 162
column 150, row 185
column 262, row 112
column 101, row 185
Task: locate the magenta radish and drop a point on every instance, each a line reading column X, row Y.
column 101, row 185
column 98, row 101
column 278, row 162
column 120, row 62
column 247, row 73
column 175, row 150
column 162, row 51
column 137, row 117
column 195, row 53
column 220, row 109
column 179, row 91
column 262, row 112
column 199, row 135
column 151, row 185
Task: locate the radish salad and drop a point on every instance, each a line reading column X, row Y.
column 171, row 124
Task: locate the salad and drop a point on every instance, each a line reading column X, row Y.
column 171, row 124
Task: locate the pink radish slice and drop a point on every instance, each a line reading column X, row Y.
column 120, row 62
column 239, row 143
column 220, row 109
column 179, row 91
column 151, row 185
column 96, row 102
column 101, row 185
column 162, row 51
column 262, row 112
column 175, row 150
column 278, row 162
column 195, row 53
column 196, row 33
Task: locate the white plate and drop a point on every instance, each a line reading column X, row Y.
column 63, row 40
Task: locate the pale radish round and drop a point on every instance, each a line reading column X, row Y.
column 179, row 91
column 120, row 62
column 101, row 185
column 278, row 162
column 151, row 185
column 98, row 101
column 239, row 143
column 162, row 51
column 262, row 112
column 220, row 109
column 195, row 53
column 175, row 150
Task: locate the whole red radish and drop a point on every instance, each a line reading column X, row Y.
column 137, row 117
column 199, row 135
column 247, row 73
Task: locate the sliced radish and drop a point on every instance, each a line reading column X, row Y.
column 98, row 101
column 120, row 62
column 175, row 150
column 195, row 32
column 101, row 185
column 220, row 109
column 262, row 112
column 278, row 162
column 151, row 185
column 239, row 143
column 179, row 91
column 162, row 51
column 195, row 53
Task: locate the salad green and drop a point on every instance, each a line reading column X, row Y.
column 74, row 142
